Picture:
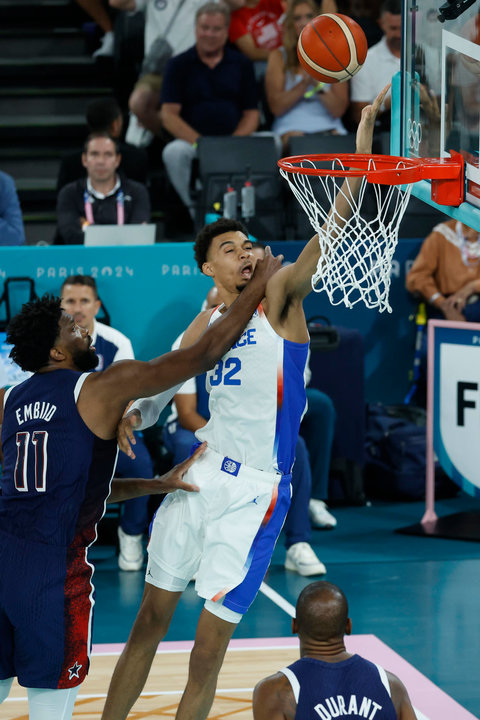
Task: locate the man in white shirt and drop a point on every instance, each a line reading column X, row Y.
column 383, row 61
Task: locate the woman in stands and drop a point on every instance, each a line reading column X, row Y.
column 298, row 104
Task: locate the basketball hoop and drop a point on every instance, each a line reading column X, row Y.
column 357, row 248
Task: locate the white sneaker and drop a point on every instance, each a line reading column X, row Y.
column 131, row 551
column 320, row 517
column 106, row 46
column 301, row 559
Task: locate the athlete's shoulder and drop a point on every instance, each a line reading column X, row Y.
column 273, row 699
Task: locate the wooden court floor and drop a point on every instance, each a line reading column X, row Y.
column 240, row 672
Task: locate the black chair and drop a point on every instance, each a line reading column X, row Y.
column 314, row 144
column 230, row 161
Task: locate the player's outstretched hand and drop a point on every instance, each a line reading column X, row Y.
column 173, row 479
column 267, row 267
column 367, row 122
column 125, row 428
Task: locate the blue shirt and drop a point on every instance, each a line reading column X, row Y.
column 349, row 689
column 57, row 473
column 212, row 99
column 11, row 222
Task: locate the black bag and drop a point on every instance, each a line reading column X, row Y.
column 322, row 335
column 395, row 449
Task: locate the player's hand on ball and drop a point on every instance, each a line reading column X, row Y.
column 367, row 122
column 125, row 428
column 173, row 479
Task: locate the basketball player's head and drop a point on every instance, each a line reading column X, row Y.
column 322, row 613
column 80, row 299
column 43, row 334
column 223, row 251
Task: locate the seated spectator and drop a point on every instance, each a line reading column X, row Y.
column 103, row 197
column 190, row 412
column 382, row 62
column 168, row 32
column 80, row 299
column 207, row 90
column 299, row 104
column 11, row 221
column 104, row 115
column 256, row 29
column 446, row 272
column 98, row 13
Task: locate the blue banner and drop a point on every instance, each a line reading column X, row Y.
column 153, row 292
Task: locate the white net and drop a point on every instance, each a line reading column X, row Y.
column 357, row 246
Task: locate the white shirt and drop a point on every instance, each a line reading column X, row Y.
column 378, row 69
column 181, row 35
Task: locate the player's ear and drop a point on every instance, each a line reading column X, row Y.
column 207, row 269
column 57, row 354
column 294, row 626
column 348, row 627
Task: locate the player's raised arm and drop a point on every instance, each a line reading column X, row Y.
column 104, row 395
column 296, row 278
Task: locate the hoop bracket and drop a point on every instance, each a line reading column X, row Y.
column 446, row 175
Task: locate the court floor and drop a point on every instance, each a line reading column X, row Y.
column 413, row 601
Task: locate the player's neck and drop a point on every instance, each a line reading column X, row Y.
column 329, row 651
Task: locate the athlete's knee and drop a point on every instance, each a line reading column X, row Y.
column 5, row 686
column 205, row 662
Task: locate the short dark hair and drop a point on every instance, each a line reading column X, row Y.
column 33, row 332
column 100, row 114
column 81, row 280
column 100, row 134
column 209, row 232
column 322, row 611
column 394, row 7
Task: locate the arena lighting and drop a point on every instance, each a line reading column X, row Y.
column 452, row 9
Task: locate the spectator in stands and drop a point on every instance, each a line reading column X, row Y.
column 383, row 61
column 300, row 105
column 256, row 29
column 168, row 32
column 446, row 272
column 98, row 13
column 103, row 198
column 105, row 115
column 80, row 299
column 207, row 90
column 190, row 412
column 11, row 222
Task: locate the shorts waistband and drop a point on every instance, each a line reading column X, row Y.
column 237, row 469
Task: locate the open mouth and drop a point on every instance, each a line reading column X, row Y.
column 246, row 271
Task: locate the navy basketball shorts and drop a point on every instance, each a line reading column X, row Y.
column 46, row 611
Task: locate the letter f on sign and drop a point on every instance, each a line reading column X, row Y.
column 462, row 403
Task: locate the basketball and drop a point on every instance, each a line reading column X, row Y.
column 332, row 48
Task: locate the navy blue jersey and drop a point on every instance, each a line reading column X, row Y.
column 348, row 689
column 56, row 472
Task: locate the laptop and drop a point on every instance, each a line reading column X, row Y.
column 96, row 235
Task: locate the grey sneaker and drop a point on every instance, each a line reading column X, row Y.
column 131, row 551
column 301, row 559
column 320, row 517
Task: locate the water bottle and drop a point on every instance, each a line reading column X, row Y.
column 230, row 203
column 248, row 200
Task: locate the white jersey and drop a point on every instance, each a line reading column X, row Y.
column 257, row 398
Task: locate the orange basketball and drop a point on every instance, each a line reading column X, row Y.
column 332, row 48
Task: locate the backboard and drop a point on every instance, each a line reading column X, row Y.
column 436, row 97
